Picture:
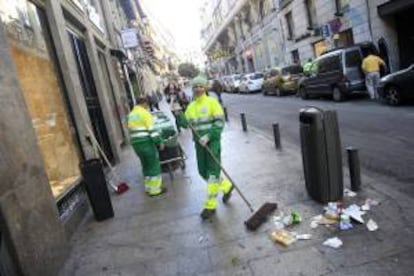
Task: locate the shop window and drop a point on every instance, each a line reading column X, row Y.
column 319, row 48
column 33, row 57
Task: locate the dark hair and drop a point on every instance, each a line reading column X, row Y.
column 142, row 100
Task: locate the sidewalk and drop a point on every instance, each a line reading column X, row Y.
column 165, row 235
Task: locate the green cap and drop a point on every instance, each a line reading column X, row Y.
column 199, row 81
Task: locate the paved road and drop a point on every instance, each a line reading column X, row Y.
column 384, row 135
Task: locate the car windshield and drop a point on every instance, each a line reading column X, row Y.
column 353, row 59
column 292, row 70
column 256, row 76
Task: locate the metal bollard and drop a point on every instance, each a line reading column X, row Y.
column 243, row 121
column 276, row 134
column 226, row 116
column 354, row 169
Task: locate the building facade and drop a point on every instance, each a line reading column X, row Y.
column 245, row 36
column 64, row 69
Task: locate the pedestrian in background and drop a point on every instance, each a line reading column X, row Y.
column 153, row 102
column 371, row 65
column 206, row 117
column 169, row 90
column 217, row 88
column 307, row 67
column 145, row 140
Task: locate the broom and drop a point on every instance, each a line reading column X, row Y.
column 120, row 187
column 258, row 217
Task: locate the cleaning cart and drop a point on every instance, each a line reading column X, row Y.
column 172, row 157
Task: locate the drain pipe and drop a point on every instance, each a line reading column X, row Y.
column 369, row 20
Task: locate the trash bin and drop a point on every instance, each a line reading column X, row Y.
column 7, row 266
column 321, row 154
column 97, row 189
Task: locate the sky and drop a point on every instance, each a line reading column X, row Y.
column 180, row 17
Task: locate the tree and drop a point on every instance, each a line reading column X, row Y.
column 187, row 70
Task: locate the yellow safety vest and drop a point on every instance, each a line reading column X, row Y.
column 206, row 115
column 141, row 125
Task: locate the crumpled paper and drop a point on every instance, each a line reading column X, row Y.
column 334, row 242
column 372, row 225
column 354, row 211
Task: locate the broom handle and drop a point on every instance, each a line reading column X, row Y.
column 223, row 169
column 102, row 153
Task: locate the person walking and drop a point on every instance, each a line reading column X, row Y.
column 217, row 88
column 145, row 140
column 371, row 65
column 206, row 118
column 307, row 67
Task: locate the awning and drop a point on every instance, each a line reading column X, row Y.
column 394, row 6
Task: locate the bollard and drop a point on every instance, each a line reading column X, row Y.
column 226, row 116
column 354, row 169
column 276, row 134
column 243, row 121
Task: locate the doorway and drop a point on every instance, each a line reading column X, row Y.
column 405, row 32
column 90, row 93
column 115, row 108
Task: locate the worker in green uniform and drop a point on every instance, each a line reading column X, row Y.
column 206, row 118
column 145, row 140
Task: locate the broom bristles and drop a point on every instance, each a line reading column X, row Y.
column 260, row 216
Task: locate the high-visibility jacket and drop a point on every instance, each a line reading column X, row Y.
column 141, row 126
column 206, row 115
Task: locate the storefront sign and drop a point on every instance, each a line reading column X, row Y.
column 129, row 38
column 222, row 53
column 326, row 30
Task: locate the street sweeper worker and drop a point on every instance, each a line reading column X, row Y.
column 145, row 140
column 206, row 118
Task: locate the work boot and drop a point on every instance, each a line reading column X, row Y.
column 227, row 188
column 207, row 213
column 226, row 197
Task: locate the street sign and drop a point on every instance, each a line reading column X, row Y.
column 129, row 38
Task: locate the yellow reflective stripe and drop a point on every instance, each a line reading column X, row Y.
column 211, row 204
column 212, row 189
column 155, row 134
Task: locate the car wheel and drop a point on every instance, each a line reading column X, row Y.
column 303, row 94
column 393, row 95
column 337, row 95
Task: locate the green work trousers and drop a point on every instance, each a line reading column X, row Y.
column 148, row 154
column 206, row 165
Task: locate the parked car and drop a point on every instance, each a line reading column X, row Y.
column 283, row 80
column 397, row 87
column 232, row 84
column 251, row 82
column 337, row 74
